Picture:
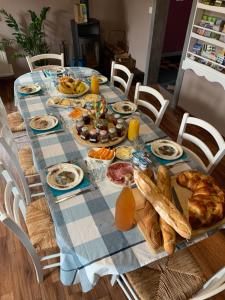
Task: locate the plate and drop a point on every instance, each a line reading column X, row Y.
column 75, row 95
column 102, row 79
column 91, row 98
column 65, row 102
column 64, row 176
column 116, row 172
column 124, row 152
column 45, row 122
column 124, row 107
column 52, row 68
column 166, row 149
column 29, row 89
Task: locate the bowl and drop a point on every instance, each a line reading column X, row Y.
column 93, row 160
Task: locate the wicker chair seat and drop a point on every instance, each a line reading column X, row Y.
column 40, row 226
column 26, row 161
column 175, row 277
column 16, row 122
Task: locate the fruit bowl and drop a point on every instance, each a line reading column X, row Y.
column 69, row 87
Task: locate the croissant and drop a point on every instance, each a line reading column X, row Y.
column 207, row 204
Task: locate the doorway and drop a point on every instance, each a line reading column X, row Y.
column 176, row 27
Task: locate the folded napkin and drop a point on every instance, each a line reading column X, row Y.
column 84, row 183
column 56, row 128
column 162, row 161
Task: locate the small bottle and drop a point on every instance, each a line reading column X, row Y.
column 79, row 126
column 93, row 136
column 86, row 118
column 125, row 207
column 94, row 85
column 84, row 133
column 103, row 136
column 112, row 134
column 119, row 130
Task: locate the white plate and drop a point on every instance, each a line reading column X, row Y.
column 102, row 79
column 76, row 172
column 54, row 101
column 52, row 121
column 124, row 107
column 75, row 95
column 52, row 68
column 29, row 89
column 166, row 149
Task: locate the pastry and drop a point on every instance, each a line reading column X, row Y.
column 165, row 208
column 207, row 204
column 168, row 233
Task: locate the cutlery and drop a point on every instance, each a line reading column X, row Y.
column 47, row 133
column 172, row 164
column 176, row 200
column 74, row 193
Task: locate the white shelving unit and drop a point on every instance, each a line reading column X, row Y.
column 203, row 70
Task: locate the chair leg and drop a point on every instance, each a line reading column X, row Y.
column 114, row 279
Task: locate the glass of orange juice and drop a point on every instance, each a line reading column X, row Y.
column 133, row 129
column 94, row 85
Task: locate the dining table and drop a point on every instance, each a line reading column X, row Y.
column 90, row 245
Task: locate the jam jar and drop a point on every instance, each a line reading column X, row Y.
column 93, row 136
column 103, row 136
column 116, row 118
column 121, row 121
column 86, row 118
column 119, row 130
column 79, row 126
column 109, row 116
column 112, row 133
column 84, row 133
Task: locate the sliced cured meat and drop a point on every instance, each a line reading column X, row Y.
column 116, row 172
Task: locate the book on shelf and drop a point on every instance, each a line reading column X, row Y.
column 80, row 13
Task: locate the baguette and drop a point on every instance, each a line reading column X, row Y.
column 168, row 233
column 149, row 224
column 164, row 207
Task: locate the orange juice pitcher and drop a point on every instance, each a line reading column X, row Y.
column 125, row 209
column 133, row 129
column 94, row 85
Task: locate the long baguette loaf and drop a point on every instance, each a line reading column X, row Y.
column 149, row 224
column 168, row 233
column 164, row 207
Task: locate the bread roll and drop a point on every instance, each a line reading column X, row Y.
column 165, row 208
column 149, row 224
column 168, row 233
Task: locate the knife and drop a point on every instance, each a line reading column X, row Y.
column 46, row 133
column 74, row 193
column 176, row 200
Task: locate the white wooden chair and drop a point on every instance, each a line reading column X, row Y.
column 14, row 120
column 31, row 60
column 6, row 69
column 181, row 276
column 11, row 211
column 146, row 89
column 13, row 154
column 114, row 77
column 213, row 159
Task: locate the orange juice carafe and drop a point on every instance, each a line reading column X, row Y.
column 133, row 129
column 125, row 209
column 94, row 85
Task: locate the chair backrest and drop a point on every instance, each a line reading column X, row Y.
column 214, row 286
column 182, row 135
column 31, row 60
column 9, row 156
column 114, row 77
column 146, row 89
column 14, row 204
column 3, row 113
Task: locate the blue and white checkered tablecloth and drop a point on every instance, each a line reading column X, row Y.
column 89, row 243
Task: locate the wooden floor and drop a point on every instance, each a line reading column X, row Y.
column 17, row 277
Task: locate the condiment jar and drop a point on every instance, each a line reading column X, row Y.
column 120, row 121
column 112, row 134
column 93, row 136
column 86, row 118
column 84, row 133
column 116, row 117
column 119, row 130
column 103, row 136
column 109, row 116
column 144, row 166
column 79, row 126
